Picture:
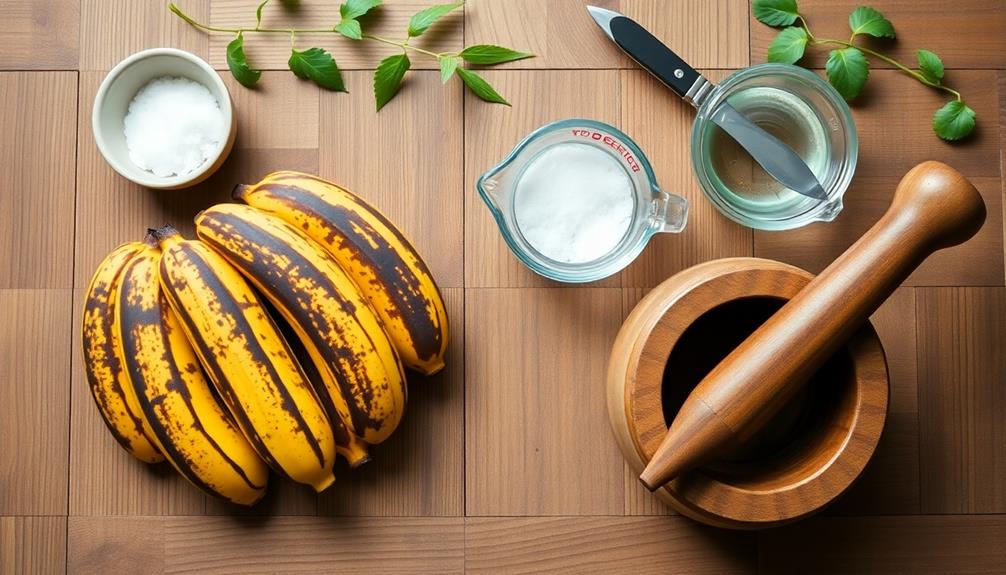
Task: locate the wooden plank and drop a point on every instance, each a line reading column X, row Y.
column 605, row 545
column 271, row 51
column 709, row 34
column 661, row 124
column 931, row 24
column 282, row 112
column 112, row 210
column 419, row 471
column 40, row 35
column 491, row 132
column 962, row 402
column 537, row 439
column 36, row 218
column 405, row 159
column 247, row 545
column 35, row 545
column 864, row 545
column 111, row 30
column 34, row 403
column 895, row 323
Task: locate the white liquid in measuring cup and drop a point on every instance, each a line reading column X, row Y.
column 574, row 203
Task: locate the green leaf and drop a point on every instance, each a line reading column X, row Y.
column 388, row 77
column 775, row 12
column 488, row 54
column 954, row 121
column 290, row 4
column 353, row 9
column 350, row 28
column 423, row 19
column 788, row 45
column 480, row 87
column 866, row 20
column 447, row 67
column 847, row 71
column 317, row 65
column 238, row 63
column 258, row 13
column 930, row 65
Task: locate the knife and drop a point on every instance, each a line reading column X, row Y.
column 778, row 159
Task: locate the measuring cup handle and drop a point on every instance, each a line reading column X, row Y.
column 671, row 212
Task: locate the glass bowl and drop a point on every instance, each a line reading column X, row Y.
column 799, row 108
column 653, row 211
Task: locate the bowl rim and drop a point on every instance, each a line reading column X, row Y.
column 153, row 181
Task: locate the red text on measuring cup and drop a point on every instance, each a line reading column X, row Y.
column 614, row 144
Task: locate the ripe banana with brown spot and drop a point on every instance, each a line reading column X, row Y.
column 364, row 384
column 103, row 363
column 181, row 412
column 248, row 360
column 372, row 251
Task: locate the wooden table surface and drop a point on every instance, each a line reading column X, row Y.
column 505, row 462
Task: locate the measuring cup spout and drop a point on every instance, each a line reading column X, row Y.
column 671, row 212
column 489, row 187
column 831, row 211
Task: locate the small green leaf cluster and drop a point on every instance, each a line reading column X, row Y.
column 847, row 66
column 319, row 66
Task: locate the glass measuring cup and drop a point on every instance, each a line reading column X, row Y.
column 796, row 106
column 653, row 210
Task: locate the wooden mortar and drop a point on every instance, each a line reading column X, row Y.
column 745, row 370
column 702, row 313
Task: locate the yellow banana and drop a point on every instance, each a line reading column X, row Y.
column 372, row 251
column 347, row 444
column 182, row 414
column 364, row 385
column 248, row 360
column 103, row 363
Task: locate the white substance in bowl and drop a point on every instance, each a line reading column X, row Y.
column 173, row 126
column 574, row 203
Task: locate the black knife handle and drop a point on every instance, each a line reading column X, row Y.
column 658, row 59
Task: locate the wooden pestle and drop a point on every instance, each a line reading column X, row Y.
column 934, row 207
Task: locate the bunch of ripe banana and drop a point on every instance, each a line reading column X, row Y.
column 187, row 363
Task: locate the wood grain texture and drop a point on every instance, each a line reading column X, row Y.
column 534, row 373
column 34, row 403
column 271, row 51
column 32, row 545
column 40, row 35
column 638, row 545
column 708, row 34
column 491, row 132
column 38, row 121
column 206, row 545
column 418, row 471
column 931, row 24
column 279, row 113
column 110, row 30
column 405, row 160
column 661, row 124
column 862, row 545
column 962, row 401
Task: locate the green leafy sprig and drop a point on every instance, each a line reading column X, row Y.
column 848, row 67
column 318, row 65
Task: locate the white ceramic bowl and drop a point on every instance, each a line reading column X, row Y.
column 117, row 91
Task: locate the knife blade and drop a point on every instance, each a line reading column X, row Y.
column 777, row 159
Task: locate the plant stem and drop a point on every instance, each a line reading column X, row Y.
column 403, row 45
column 918, row 76
column 294, row 31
